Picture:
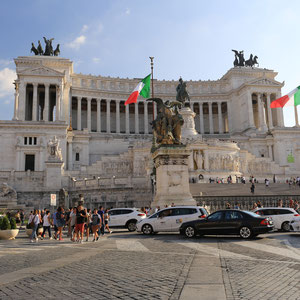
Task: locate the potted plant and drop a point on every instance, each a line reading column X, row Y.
column 8, row 228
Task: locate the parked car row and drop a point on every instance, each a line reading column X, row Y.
column 191, row 221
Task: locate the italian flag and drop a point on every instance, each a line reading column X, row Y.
column 143, row 89
column 291, row 99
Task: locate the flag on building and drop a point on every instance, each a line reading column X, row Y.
column 291, row 99
column 143, row 89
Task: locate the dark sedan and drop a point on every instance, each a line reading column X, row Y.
column 230, row 221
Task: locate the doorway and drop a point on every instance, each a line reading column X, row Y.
column 29, row 162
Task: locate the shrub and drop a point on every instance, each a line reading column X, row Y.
column 5, row 224
column 13, row 223
column 1, row 219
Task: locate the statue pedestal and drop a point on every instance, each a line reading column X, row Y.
column 53, row 174
column 172, row 177
column 188, row 128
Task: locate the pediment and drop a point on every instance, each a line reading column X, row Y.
column 265, row 82
column 41, row 71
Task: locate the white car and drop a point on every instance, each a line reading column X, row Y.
column 125, row 218
column 281, row 216
column 170, row 219
column 295, row 224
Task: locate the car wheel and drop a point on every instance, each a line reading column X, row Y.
column 285, row 226
column 189, row 232
column 131, row 226
column 147, row 229
column 245, row 232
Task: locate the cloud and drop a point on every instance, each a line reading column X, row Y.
column 79, row 41
column 127, row 11
column 7, row 77
column 96, row 60
column 84, row 28
column 5, row 62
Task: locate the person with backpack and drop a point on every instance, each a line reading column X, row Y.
column 34, row 222
column 95, row 221
column 46, row 225
column 80, row 221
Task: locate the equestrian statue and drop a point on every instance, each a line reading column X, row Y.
column 48, row 48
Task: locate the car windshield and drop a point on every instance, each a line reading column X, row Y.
column 153, row 216
column 252, row 214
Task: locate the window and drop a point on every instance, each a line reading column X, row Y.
column 29, row 162
column 115, row 212
column 216, row 216
column 233, row 215
column 284, row 211
column 34, row 140
column 77, row 158
column 187, row 211
column 30, row 140
column 126, row 211
column 25, row 140
column 165, row 213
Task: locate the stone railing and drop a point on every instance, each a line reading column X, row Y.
column 215, row 203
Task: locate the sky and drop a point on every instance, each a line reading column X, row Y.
column 191, row 38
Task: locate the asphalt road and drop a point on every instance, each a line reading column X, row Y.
column 127, row 265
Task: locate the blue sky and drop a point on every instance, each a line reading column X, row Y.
column 192, row 38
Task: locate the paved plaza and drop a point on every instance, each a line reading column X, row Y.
column 127, row 265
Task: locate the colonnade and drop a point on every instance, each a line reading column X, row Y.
column 38, row 104
column 121, row 111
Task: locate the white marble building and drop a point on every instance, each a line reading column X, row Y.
column 109, row 145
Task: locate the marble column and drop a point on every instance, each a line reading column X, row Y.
column 201, row 118
column 34, row 102
column 117, row 116
column 279, row 110
column 229, row 116
column 192, row 106
column 296, row 116
column 220, row 119
column 79, row 113
column 22, row 101
column 136, row 118
column 270, row 118
column 89, row 114
column 16, row 107
column 46, row 106
column 58, row 101
column 211, row 120
column 108, row 115
column 98, row 115
column 262, row 118
column 146, row 130
column 127, row 118
column 191, row 161
column 250, row 111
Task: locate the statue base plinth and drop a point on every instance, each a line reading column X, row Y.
column 172, row 177
column 53, row 174
column 188, row 128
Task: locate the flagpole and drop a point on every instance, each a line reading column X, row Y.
column 152, row 86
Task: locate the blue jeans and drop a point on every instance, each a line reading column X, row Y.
column 34, row 229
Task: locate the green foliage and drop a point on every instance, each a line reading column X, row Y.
column 1, row 220
column 13, row 223
column 5, row 224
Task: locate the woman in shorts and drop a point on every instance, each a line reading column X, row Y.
column 106, row 219
column 60, row 221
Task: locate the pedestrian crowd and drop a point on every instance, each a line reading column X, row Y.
column 79, row 222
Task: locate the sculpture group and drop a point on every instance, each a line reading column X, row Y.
column 168, row 123
column 239, row 60
column 48, row 48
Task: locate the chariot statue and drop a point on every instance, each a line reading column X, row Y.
column 48, row 48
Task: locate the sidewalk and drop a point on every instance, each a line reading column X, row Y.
column 204, row 280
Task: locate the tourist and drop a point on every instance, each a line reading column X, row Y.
column 280, row 203
column 252, row 188
column 259, row 205
column 79, row 224
column 267, row 182
column 254, row 206
column 88, row 225
column 72, row 222
column 296, row 206
column 55, row 224
column 228, row 206
column 67, row 214
column 102, row 224
column 22, row 216
column 291, row 203
column 60, row 222
column 106, row 219
column 46, row 225
column 18, row 217
column 237, row 206
column 96, row 220
column 34, row 221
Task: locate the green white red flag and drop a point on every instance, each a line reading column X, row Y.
column 143, row 89
column 291, row 99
